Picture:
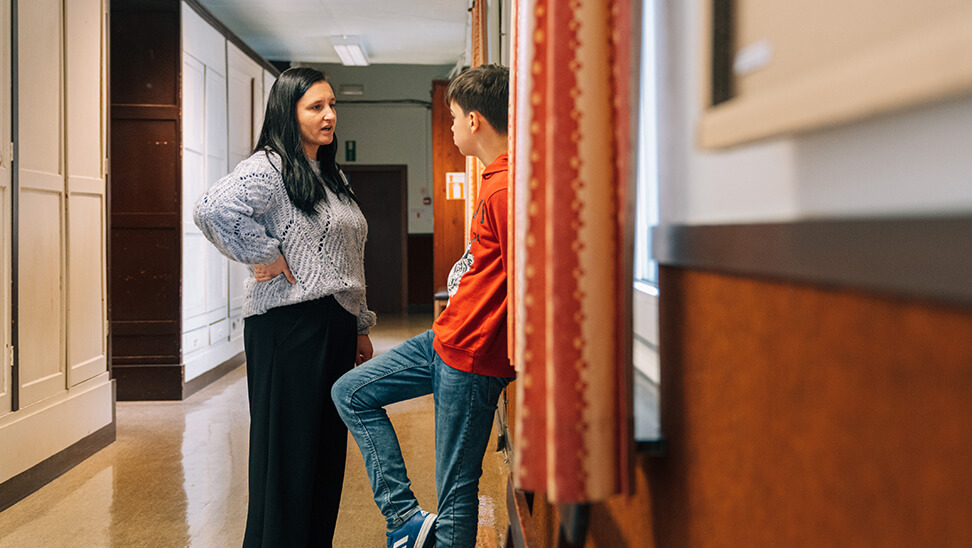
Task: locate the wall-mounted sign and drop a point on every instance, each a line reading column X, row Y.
column 350, row 152
column 455, row 185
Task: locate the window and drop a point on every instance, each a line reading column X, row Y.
column 646, row 270
column 647, row 381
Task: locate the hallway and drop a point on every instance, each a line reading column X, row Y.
column 176, row 475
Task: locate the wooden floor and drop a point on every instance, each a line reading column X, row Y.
column 176, row 475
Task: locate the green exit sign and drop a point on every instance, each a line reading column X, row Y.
column 349, row 151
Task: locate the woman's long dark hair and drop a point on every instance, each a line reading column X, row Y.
column 281, row 134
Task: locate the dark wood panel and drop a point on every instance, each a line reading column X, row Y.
column 796, row 415
column 151, row 347
column 420, row 284
column 448, row 233
column 144, row 112
column 145, row 166
column 155, row 382
column 146, row 220
column 145, row 274
column 835, row 408
column 145, row 52
column 146, row 327
column 382, row 194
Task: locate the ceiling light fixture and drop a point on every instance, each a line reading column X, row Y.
column 349, row 49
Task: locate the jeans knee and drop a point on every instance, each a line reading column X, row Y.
column 340, row 394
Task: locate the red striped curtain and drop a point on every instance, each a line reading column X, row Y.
column 571, row 273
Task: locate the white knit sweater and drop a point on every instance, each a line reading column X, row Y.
column 248, row 216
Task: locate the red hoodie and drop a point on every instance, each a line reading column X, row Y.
column 470, row 334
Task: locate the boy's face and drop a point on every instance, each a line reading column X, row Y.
column 461, row 133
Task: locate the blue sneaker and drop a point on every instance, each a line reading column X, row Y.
column 414, row 533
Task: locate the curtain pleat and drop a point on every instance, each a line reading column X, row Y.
column 571, row 431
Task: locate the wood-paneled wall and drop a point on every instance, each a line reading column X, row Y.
column 800, row 415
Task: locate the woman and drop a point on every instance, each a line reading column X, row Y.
column 288, row 212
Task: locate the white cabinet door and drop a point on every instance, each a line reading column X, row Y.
column 86, row 313
column 41, row 227
column 6, row 222
column 217, row 271
column 194, row 245
column 245, row 98
column 206, row 159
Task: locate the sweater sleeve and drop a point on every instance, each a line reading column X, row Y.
column 366, row 320
column 226, row 215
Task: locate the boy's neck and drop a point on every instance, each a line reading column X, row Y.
column 493, row 148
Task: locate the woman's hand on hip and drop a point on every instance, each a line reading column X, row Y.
column 365, row 350
column 267, row 272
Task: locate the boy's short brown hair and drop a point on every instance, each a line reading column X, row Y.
column 486, row 90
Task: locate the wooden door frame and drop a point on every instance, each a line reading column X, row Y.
column 449, row 216
column 402, row 171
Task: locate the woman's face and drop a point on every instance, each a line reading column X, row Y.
column 316, row 117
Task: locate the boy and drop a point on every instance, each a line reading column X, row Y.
column 462, row 360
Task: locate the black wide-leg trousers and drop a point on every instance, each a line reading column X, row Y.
column 298, row 443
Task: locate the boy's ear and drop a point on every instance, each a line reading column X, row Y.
column 476, row 121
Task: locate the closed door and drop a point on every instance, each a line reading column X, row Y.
column 381, row 192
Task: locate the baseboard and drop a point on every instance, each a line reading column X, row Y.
column 27, row 482
column 211, row 376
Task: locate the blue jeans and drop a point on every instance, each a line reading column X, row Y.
column 464, row 407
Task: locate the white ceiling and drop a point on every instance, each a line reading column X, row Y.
column 423, row 32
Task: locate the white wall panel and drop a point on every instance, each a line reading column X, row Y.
column 5, row 226
column 193, row 185
column 86, row 262
column 245, row 77
column 41, row 356
column 41, row 186
column 202, row 41
column 193, row 103
column 217, row 267
column 245, row 100
column 86, row 342
column 206, row 158
column 39, row 48
column 259, row 106
column 83, row 70
column 217, row 285
column 268, row 80
column 194, row 249
column 5, row 213
column 216, row 133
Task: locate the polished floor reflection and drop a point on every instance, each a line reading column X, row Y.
column 176, row 475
